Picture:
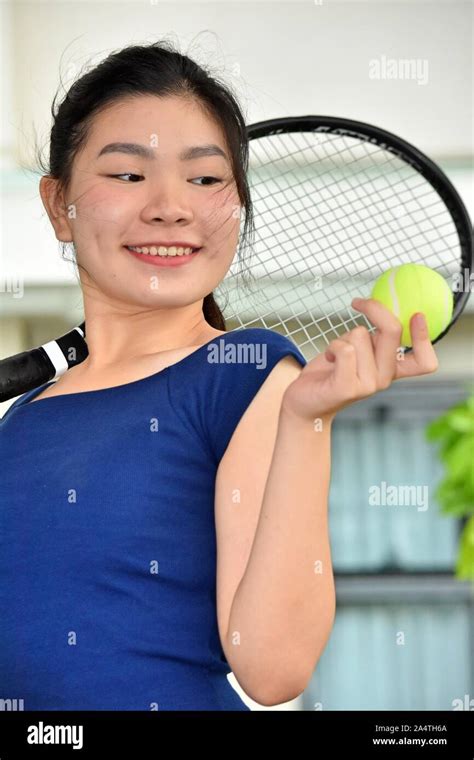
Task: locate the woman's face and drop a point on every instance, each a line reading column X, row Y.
column 166, row 201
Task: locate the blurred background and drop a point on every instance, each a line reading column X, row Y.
column 404, row 632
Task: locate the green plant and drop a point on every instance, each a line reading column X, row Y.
column 454, row 429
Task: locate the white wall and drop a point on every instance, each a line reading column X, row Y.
column 285, row 58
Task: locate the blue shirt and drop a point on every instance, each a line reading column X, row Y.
column 107, row 534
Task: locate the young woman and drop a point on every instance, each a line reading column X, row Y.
column 164, row 509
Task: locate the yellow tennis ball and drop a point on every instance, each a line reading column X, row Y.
column 409, row 288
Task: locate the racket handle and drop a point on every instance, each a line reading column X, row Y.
column 29, row 369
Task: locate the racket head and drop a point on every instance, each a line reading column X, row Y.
column 336, row 203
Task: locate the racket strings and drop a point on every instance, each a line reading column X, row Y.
column 393, row 216
column 377, row 194
column 334, row 230
column 369, row 229
column 440, row 250
column 319, row 340
column 376, row 240
column 266, row 315
column 393, row 161
column 332, row 213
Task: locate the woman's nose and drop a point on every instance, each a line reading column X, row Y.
column 169, row 204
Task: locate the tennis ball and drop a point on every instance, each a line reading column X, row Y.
column 409, row 288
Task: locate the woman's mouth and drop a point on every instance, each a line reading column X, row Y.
column 162, row 255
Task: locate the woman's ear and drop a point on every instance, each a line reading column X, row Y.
column 53, row 201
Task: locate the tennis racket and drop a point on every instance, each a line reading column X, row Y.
column 337, row 202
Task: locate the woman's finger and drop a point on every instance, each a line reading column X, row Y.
column 422, row 360
column 345, row 366
column 367, row 370
column 387, row 343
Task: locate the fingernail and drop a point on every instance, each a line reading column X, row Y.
column 357, row 301
column 419, row 319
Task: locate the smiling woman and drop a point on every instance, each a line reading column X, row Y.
column 164, row 202
column 115, row 503
column 125, row 168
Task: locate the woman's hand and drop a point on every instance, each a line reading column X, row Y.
column 360, row 363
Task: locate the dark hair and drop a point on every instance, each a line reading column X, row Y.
column 154, row 69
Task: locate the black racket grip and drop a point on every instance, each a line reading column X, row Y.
column 29, row 369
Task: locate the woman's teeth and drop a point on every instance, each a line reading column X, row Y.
column 162, row 250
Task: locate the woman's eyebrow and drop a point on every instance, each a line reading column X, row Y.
column 195, row 151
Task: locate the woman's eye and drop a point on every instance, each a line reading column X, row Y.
column 212, row 178
column 127, row 174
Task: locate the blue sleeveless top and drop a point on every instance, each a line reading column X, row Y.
column 107, row 534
